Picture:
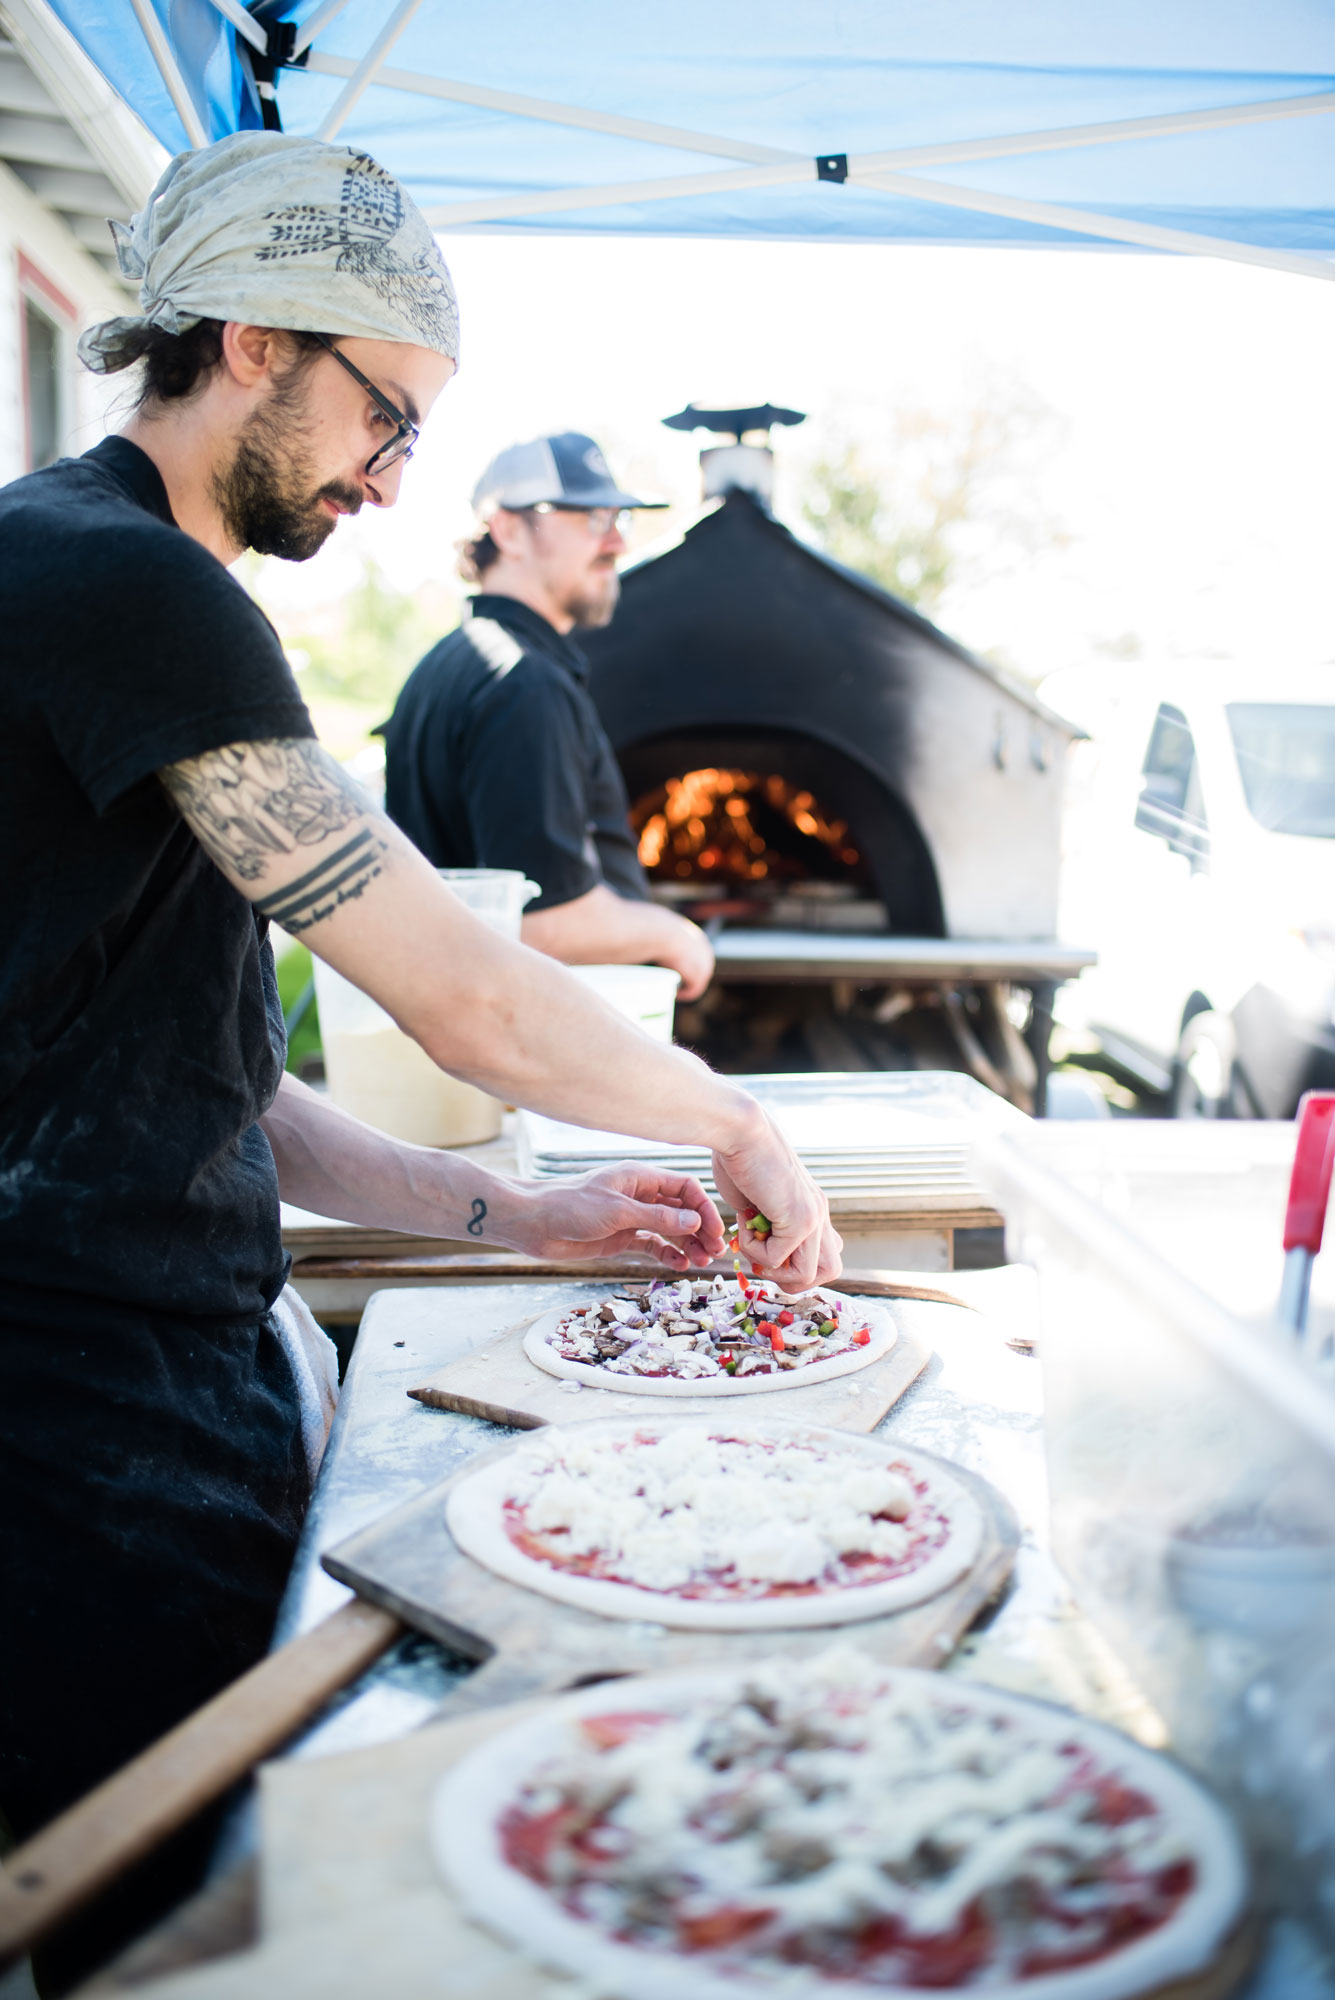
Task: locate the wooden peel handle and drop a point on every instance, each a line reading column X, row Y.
column 69, row 1861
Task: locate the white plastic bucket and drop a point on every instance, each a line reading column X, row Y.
column 378, row 1074
column 645, row 994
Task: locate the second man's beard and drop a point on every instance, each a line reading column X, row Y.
column 594, row 603
column 265, row 496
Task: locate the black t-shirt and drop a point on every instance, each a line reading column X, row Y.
column 495, row 758
column 140, row 1032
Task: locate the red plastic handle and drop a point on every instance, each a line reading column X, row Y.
column 1309, row 1185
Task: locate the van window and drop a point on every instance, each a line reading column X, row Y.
column 1170, row 756
column 1286, row 756
column 1171, row 803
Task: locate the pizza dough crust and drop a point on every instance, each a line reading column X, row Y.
column 1198, row 1954
column 883, row 1337
column 475, row 1518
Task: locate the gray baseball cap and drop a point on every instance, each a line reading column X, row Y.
column 564, row 471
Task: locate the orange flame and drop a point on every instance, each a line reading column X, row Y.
column 700, row 825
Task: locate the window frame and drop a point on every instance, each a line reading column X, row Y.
column 1180, row 823
column 36, row 289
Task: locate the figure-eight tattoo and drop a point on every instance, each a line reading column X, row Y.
column 252, row 801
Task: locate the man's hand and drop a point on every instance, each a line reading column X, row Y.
column 602, row 928
column 686, row 950
column 648, row 1209
column 802, row 1248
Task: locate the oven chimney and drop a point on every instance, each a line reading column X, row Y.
column 747, row 464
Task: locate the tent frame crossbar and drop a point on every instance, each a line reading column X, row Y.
column 945, row 153
column 245, row 24
column 168, row 69
column 544, row 111
column 883, row 171
column 315, row 24
column 364, row 73
column 1116, row 229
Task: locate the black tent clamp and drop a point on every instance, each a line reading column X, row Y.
column 264, row 68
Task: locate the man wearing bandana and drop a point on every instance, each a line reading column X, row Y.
column 164, row 800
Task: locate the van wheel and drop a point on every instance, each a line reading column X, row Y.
column 1205, row 1076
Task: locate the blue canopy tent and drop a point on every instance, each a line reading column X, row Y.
column 1197, row 126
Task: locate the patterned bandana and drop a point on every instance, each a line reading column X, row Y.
column 346, row 252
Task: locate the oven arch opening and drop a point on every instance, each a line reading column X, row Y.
column 840, row 849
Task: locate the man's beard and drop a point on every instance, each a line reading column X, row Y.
column 265, row 496
column 595, row 603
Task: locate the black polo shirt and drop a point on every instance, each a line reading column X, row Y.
column 495, row 758
column 152, row 1480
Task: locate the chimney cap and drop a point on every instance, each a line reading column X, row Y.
column 732, row 423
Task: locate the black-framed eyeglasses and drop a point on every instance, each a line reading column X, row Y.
column 405, row 430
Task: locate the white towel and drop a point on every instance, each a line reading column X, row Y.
column 313, row 1359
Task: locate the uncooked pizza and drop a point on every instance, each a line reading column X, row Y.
column 837, row 1827
column 718, row 1526
column 709, row 1337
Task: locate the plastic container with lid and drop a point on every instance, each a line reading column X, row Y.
column 380, row 1075
column 645, row 994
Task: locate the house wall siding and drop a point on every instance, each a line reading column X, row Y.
column 30, row 232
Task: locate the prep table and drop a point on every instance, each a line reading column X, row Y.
column 978, row 1402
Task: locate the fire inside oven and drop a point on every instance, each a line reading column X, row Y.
column 752, row 845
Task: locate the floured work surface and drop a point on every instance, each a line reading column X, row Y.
column 500, row 1383
column 410, row 1564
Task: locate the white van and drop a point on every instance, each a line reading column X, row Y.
column 1200, row 863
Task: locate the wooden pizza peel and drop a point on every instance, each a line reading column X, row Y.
column 350, row 1901
column 529, row 1644
column 121, row 1821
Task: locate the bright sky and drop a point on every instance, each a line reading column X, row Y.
column 1190, row 471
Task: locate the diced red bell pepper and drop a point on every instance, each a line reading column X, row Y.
column 608, row 1732
column 861, row 1337
column 750, row 1214
column 785, row 1317
column 721, row 1927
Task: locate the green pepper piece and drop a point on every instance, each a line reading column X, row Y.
column 827, row 1326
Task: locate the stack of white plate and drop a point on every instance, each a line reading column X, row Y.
column 859, row 1133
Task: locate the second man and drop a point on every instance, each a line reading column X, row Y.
column 495, row 756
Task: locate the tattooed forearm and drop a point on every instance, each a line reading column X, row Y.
column 251, row 801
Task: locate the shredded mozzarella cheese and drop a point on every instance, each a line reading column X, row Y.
column 831, row 1800
column 668, row 1510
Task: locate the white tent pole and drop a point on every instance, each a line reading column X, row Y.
column 546, row 112
column 1062, row 138
column 1051, row 215
column 315, row 24
column 245, row 24
column 1144, row 235
column 365, row 72
column 1056, row 138
column 161, row 50
column 455, row 214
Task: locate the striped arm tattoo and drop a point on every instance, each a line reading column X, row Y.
column 251, row 803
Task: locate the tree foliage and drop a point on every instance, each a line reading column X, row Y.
column 936, row 499
column 380, row 636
